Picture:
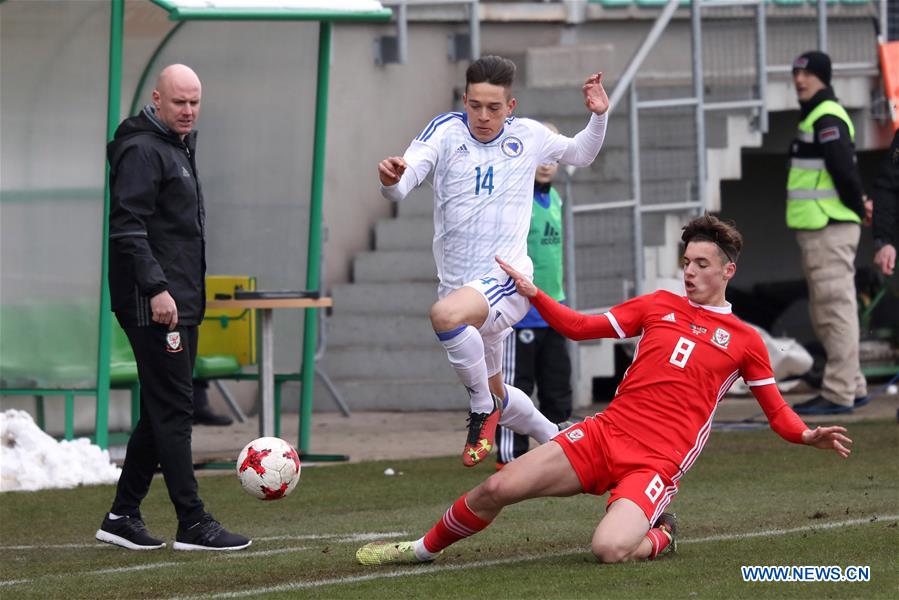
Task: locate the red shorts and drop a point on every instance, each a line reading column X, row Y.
column 607, row 459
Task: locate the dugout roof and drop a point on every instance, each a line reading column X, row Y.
column 295, row 10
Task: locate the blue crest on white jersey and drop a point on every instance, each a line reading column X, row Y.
column 512, row 146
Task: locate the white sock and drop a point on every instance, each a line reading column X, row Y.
column 113, row 517
column 521, row 416
column 422, row 553
column 465, row 350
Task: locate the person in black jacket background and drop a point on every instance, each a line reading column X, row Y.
column 157, row 272
column 886, row 210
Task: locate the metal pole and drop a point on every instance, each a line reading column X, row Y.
column 569, row 269
column 570, row 259
column 313, row 259
column 822, row 25
column 631, row 71
column 113, row 101
column 699, row 93
column 634, row 127
column 266, row 374
column 474, row 29
column 762, row 63
column 402, row 34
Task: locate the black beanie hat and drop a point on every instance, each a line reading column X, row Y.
column 816, row 63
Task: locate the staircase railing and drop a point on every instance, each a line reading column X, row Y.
column 696, row 199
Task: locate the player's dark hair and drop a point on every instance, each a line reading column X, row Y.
column 723, row 234
column 491, row 69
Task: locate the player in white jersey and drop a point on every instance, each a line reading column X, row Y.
column 483, row 161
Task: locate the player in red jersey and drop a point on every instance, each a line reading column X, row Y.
column 690, row 352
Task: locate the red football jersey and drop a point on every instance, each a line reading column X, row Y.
column 686, row 360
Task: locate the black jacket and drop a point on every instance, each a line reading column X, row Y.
column 156, row 222
column 839, row 153
column 886, row 198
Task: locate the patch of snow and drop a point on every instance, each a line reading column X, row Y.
column 32, row 460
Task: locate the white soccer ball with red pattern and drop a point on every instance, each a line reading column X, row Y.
column 268, row 468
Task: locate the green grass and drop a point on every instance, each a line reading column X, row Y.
column 745, row 483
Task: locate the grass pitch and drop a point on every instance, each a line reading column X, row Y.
column 752, row 499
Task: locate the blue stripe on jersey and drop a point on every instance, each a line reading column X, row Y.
column 435, row 123
column 503, row 295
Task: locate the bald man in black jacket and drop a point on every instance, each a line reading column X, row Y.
column 157, row 269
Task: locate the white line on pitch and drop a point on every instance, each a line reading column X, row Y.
column 224, row 555
column 338, row 537
column 152, row 566
column 408, row 572
column 775, row 532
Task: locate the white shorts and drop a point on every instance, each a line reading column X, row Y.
column 506, row 308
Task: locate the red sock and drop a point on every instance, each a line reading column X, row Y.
column 659, row 540
column 457, row 523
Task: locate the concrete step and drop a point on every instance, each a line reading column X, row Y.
column 354, row 362
column 419, row 202
column 588, row 192
column 617, row 135
column 412, row 299
column 378, row 331
column 404, row 233
column 416, row 207
column 599, row 233
column 365, row 394
column 605, row 292
column 653, row 192
column 550, row 103
column 404, row 395
column 394, row 266
column 612, row 165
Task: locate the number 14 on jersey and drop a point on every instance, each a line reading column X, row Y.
column 483, row 182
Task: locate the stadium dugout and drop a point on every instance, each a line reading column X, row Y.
column 58, row 337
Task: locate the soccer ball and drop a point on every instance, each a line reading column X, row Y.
column 268, row 468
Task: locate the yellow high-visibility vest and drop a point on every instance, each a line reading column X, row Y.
column 812, row 199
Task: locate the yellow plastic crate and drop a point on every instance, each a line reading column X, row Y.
column 229, row 331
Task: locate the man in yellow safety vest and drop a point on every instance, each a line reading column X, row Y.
column 826, row 206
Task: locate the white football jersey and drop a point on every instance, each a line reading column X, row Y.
column 483, row 192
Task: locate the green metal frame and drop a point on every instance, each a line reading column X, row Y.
column 313, row 278
column 68, row 395
column 114, row 98
column 146, row 73
column 313, row 260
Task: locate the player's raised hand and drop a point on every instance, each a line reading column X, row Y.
column 391, row 169
column 828, row 438
column 524, row 285
column 595, row 97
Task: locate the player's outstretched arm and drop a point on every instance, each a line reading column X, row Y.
column 595, row 97
column 390, row 170
column 570, row 323
column 828, row 438
column 787, row 424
